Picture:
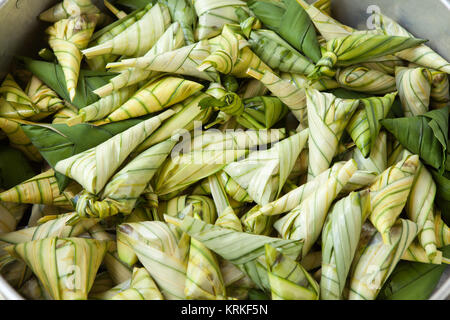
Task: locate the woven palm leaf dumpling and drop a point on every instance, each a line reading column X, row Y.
column 223, row 150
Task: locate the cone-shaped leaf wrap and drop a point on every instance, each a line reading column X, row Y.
column 365, row 125
column 93, row 168
column 163, row 253
column 124, row 188
column 204, row 279
column 328, row 27
column 103, row 107
column 357, row 48
column 389, row 194
column 236, row 247
column 377, row 160
column 288, row 279
column 290, row 21
column 67, row 8
column 305, row 222
column 41, row 189
column 138, row 38
column 287, row 92
column 214, row 14
column 421, row 54
column 66, row 267
column 154, row 97
column 277, row 53
column 67, row 38
column 171, row 40
column 230, row 54
column 414, row 90
column 365, row 80
column 45, row 99
column 375, row 260
column 142, row 287
column 14, row 102
column 327, row 118
column 425, row 135
column 184, row 60
column 340, row 238
column 440, row 90
column 263, row 173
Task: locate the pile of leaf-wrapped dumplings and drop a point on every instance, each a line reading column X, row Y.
column 210, row 149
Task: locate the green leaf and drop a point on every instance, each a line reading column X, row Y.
column 291, row 22
column 442, row 193
column 425, row 135
column 134, row 4
column 413, row 280
column 59, row 141
column 52, row 75
column 14, row 167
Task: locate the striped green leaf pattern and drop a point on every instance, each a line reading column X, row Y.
column 93, row 168
column 70, row 265
column 389, row 194
column 172, row 39
column 377, row 159
column 67, row 38
column 41, row 189
column 160, row 249
column 357, row 48
column 442, row 231
column 45, row 99
column 14, row 102
column 237, row 247
column 187, row 112
column 375, row 260
column 99, row 63
column 124, row 188
column 287, row 92
column 328, row 27
column 365, row 125
column 327, row 118
column 202, row 206
column 103, row 107
column 153, row 97
column 421, row 54
column 440, row 90
column 214, row 14
column 340, row 238
column 288, row 279
column 138, row 38
column 362, row 79
column 385, row 64
column 277, row 53
column 182, row 11
column 305, row 221
column 184, row 170
column 263, row 173
column 203, row 275
column 142, row 287
column 414, row 90
column 184, row 60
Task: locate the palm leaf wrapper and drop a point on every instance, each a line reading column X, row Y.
column 223, row 150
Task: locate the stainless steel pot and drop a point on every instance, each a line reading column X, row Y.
column 21, row 33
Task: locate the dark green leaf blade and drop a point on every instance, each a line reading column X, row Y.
column 291, row 22
column 52, row 75
column 413, row 280
column 425, row 135
column 14, row 167
column 59, row 141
